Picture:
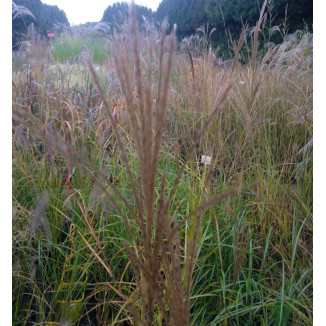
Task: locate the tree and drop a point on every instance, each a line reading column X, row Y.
column 51, row 15
column 229, row 16
column 118, row 13
column 183, row 13
column 299, row 12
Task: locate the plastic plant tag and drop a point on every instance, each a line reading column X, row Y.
column 206, row 159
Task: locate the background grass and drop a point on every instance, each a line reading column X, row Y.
column 70, row 47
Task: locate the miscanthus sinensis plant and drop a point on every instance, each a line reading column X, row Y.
column 115, row 219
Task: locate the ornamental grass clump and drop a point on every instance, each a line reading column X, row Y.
column 162, row 266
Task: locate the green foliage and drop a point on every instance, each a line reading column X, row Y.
column 229, row 16
column 118, row 14
column 187, row 14
column 72, row 46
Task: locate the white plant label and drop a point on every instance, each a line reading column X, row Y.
column 206, row 159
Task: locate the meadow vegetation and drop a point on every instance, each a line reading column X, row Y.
column 116, row 220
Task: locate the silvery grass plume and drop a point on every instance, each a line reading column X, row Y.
column 306, row 153
column 295, row 52
column 38, row 220
column 97, row 199
column 20, row 11
column 22, row 137
column 103, row 27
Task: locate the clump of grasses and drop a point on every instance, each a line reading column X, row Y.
column 115, row 218
column 70, row 47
